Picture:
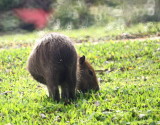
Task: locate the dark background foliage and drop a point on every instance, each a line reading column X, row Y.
column 82, row 13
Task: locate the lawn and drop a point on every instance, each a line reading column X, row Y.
column 129, row 78
column 109, row 32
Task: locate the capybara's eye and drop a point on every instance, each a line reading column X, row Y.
column 90, row 72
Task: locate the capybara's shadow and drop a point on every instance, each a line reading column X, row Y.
column 79, row 96
column 48, row 105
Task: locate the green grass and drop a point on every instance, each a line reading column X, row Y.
column 130, row 87
column 110, row 31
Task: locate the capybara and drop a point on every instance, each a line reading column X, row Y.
column 54, row 62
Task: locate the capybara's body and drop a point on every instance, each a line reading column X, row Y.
column 54, row 62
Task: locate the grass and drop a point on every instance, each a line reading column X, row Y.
column 129, row 86
column 110, row 31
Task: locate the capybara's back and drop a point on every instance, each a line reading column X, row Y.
column 53, row 62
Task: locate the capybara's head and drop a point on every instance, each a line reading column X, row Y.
column 87, row 80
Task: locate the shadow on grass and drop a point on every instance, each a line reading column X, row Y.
column 49, row 106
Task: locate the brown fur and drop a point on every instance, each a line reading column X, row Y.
column 87, row 79
column 54, row 62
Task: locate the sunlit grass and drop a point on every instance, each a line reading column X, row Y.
column 110, row 31
column 129, row 86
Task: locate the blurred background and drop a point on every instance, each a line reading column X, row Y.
column 30, row 15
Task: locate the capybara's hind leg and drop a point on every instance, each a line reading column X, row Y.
column 52, row 85
column 68, row 91
column 72, row 83
column 73, row 87
column 68, row 87
column 65, row 91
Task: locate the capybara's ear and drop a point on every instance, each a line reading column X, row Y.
column 82, row 59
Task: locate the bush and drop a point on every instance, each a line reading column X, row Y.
column 8, row 21
column 72, row 15
column 8, row 4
